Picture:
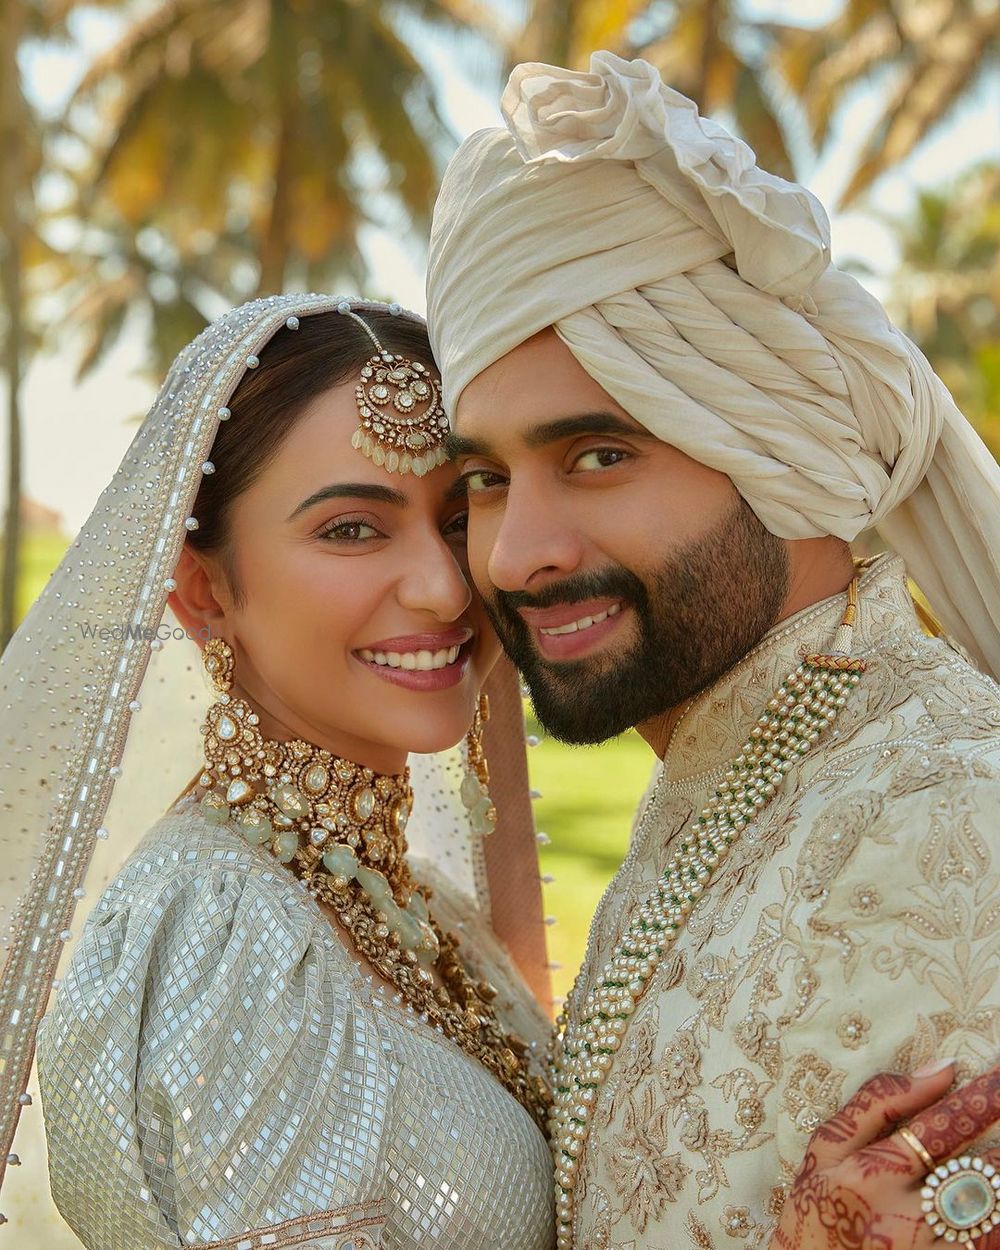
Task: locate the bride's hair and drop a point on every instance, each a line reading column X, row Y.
column 295, row 367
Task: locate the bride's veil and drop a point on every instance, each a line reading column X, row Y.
column 101, row 695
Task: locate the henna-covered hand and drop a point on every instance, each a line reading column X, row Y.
column 859, row 1184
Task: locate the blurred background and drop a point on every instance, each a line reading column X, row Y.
column 162, row 160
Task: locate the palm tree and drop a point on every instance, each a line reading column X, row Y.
column 781, row 84
column 930, row 53
column 19, row 143
column 291, row 124
column 947, row 287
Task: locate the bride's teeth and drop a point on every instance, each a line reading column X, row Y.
column 411, row 660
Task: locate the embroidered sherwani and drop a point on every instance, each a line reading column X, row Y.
column 852, row 929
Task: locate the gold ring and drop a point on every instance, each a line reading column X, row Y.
column 917, row 1146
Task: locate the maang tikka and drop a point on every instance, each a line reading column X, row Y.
column 403, row 425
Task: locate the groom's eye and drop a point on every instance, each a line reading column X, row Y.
column 600, row 458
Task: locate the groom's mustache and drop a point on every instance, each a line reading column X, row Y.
column 608, row 583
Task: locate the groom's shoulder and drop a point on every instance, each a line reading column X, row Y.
column 926, row 710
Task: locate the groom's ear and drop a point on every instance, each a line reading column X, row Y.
column 201, row 597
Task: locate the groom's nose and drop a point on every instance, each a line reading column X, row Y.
column 534, row 540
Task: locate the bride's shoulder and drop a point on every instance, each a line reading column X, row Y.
column 184, row 843
column 185, row 863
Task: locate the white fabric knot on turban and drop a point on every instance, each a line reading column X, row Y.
column 778, row 232
column 697, row 290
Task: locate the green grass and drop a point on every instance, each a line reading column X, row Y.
column 40, row 553
column 589, row 797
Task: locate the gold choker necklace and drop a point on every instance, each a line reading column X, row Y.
column 340, row 828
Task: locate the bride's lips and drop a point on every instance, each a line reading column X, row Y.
column 429, row 661
column 571, row 630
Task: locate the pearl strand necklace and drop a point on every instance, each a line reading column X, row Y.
column 806, row 703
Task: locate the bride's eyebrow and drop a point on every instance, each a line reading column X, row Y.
column 353, row 490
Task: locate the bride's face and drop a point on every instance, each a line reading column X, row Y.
column 355, row 626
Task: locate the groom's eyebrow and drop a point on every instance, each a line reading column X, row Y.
column 353, row 490
column 581, row 424
column 547, row 432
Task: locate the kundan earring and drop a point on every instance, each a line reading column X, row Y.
column 475, row 784
column 219, row 662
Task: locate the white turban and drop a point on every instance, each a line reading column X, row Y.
column 698, row 291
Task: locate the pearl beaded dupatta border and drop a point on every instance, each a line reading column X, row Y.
column 101, row 703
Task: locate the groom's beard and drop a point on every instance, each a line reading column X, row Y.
column 697, row 614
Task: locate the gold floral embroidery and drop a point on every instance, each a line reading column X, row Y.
column 634, row 1061
column 737, row 1222
column 698, row 1234
column 751, row 1036
column 865, row 900
column 645, row 1176
column 853, row 1030
column 813, row 1091
column 954, row 847
column 599, row 1234
column 750, row 1114
column 678, row 1070
column 834, row 838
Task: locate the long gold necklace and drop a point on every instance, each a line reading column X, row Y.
column 806, row 703
column 340, row 828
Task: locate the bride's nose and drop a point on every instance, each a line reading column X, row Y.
column 433, row 581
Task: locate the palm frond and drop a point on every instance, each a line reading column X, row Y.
column 925, row 96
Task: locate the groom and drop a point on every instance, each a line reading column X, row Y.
column 673, row 415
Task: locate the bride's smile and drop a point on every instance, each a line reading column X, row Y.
column 429, row 661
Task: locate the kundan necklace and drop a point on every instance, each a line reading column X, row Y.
column 806, row 703
column 340, row 828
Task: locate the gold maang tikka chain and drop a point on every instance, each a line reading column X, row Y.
column 340, row 828
column 806, row 703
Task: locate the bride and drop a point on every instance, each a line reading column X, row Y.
column 275, row 1019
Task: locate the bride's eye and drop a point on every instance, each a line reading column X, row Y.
column 349, row 532
column 458, row 526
